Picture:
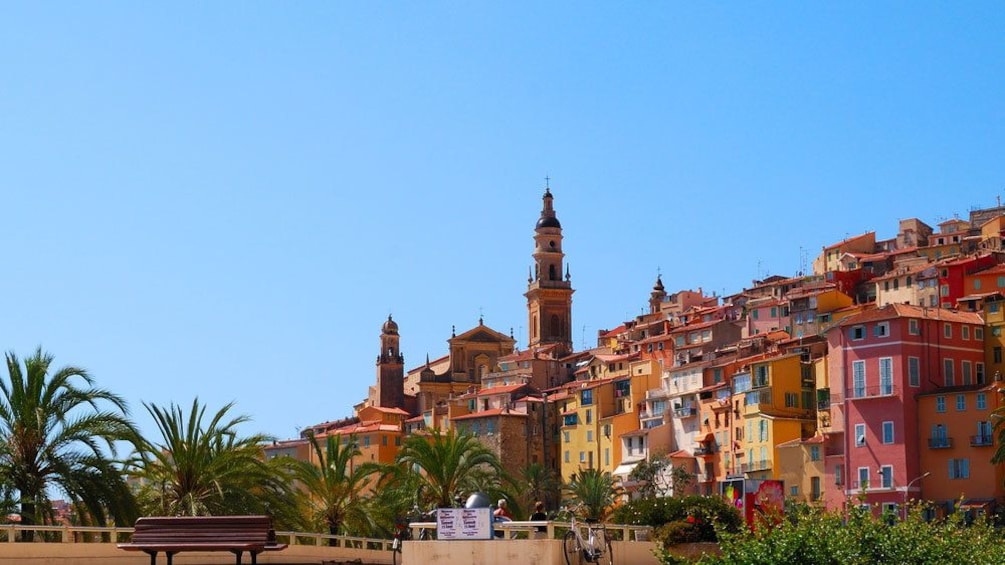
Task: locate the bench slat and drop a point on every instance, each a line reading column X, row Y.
column 173, row 534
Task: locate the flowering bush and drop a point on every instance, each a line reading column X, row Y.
column 693, row 517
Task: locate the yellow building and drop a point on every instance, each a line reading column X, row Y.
column 801, row 468
column 602, row 383
column 830, row 258
column 620, row 415
column 994, row 336
column 779, row 406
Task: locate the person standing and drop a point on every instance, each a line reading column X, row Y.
column 539, row 516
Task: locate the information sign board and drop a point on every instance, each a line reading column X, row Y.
column 464, row 523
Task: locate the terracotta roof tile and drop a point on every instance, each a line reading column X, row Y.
column 891, row 311
column 492, row 412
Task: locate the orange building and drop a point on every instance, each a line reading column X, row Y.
column 957, row 442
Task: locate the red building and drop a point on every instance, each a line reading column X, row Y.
column 952, row 275
column 880, row 361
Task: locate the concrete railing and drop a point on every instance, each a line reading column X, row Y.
column 521, row 543
column 552, row 530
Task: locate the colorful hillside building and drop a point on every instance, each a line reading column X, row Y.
column 957, row 443
column 879, row 361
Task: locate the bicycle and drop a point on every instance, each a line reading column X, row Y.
column 595, row 548
column 403, row 532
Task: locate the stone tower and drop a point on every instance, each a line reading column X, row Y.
column 390, row 368
column 549, row 294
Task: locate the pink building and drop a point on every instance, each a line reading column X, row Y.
column 880, row 361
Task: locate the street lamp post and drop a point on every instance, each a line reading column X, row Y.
column 908, row 489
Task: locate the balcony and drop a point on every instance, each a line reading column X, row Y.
column 760, row 381
column 881, row 391
column 824, row 404
column 754, row 466
column 720, row 404
column 940, row 442
column 646, row 415
column 981, row 441
column 704, row 449
column 622, row 405
column 756, row 399
column 685, row 411
column 657, row 394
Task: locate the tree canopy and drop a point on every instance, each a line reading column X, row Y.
column 58, row 433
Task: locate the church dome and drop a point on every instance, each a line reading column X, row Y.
column 390, row 326
column 548, row 222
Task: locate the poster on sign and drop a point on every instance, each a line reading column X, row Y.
column 464, row 523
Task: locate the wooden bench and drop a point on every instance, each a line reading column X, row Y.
column 174, row 534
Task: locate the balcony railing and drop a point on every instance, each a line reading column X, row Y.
column 940, row 442
column 881, row 391
column 657, row 394
column 824, row 404
column 981, row 441
column 685, row 411
column 622, row 405
column 647, row 415
column 704, row 449
column 756, row 398
column 870, row 485
column 757, row 465
column 721, row 404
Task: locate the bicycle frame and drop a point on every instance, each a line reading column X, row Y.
column 593, row 548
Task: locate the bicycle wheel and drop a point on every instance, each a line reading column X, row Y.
column 573, row 553
column 606, row 557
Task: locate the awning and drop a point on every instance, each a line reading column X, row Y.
column 624, row 469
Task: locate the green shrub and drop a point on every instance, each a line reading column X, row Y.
column 811, row 536
column 678, row 531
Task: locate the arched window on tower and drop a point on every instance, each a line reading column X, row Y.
column 555, row 326
column 551, row 272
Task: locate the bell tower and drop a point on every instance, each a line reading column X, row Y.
column 657, row 296
column 549, row 294
column 390, row 368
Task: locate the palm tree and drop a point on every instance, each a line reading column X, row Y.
column 58, row 434
column 998, row 417
column 206, row 468
column 595, row 491
column 449, row 464
column 539, row 483
column 334, row 485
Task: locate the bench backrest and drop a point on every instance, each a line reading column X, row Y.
column 218, row 529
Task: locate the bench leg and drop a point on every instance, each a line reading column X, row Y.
column 254, row 557
column 153, row 557
column 170, row 556
column 238, row 554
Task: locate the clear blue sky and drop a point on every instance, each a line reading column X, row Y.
column 226, row 199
